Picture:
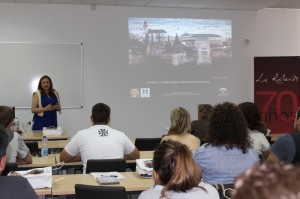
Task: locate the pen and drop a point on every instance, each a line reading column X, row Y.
column 109, row 176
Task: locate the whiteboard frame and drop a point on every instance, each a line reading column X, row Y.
column 81, row 71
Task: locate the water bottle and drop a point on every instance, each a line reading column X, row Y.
column 29, row 127
column 15, row 127
column 45, row 147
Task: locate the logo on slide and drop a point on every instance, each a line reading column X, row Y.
column 145, row 92
column 223, row 92
column 135, row 93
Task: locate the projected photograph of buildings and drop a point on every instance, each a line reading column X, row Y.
column 178, row 41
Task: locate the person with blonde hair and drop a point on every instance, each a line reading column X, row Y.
column 176, row 175
column 269, row 180
column 180, row 129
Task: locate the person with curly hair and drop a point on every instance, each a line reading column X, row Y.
column 228, row 151
column 253, row 118
column 176, row 175
column 199, row 127
column 269, row 180
column 180, row 129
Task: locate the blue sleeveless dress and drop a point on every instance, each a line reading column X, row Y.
column 49, row 118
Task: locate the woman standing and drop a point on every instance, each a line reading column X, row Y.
column 45, row 104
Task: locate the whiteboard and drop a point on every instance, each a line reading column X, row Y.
column 23, row 64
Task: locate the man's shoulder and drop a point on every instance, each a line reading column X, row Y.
column 8, row 185
column 15, row 180
column 285, row 138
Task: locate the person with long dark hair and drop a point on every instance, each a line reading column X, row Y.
column 254, row 122
column 45, row 104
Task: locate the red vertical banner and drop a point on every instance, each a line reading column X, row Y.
column 277, row 91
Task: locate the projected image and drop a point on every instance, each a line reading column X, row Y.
column 178, row 41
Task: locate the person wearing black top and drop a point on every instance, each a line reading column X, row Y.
column 13, row 187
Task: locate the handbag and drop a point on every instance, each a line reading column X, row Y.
column 37, row 177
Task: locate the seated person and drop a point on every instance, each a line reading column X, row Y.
column 176, row 175
column 100, row 141
column 253, row 118
column 199, row 127
column 17, row 151
column 180, row 129
column 287, row 147
column 269, row 180
column 12, row 187
column 228, row 151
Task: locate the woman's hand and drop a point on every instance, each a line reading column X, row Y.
column 56, row 107
column 49, row 107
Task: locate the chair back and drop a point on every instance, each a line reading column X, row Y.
column 99, row 192
column 147, row 144
column 13, row 166
column 33, row 147
column 225, row 190
column 105, row 165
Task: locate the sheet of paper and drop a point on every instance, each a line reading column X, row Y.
column 115, row 174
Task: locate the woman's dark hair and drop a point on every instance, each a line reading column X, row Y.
column 3, row 141
column 252, row 115
column 228, row 128
column 6, row 116
column 51, row 90
column 274, row 180
column 100, row 113
column 205, row 111
column 175, row 167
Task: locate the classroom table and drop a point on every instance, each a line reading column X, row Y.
column 43, row 192
column 38, row 136
column 40, row 162
column 65, row 184
column 143, row 155
column 54, row 144
column 274, row 137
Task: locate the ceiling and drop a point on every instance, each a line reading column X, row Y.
column 250, row 5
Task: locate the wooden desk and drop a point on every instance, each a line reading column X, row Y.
column 62, row 143
column 274, row 137
column 65, row 184
column 55, row 144
column 44, row 191
column 143, row 155
column 40, row 162
column 38, row 135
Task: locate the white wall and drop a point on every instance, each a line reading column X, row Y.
column 103, row 29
